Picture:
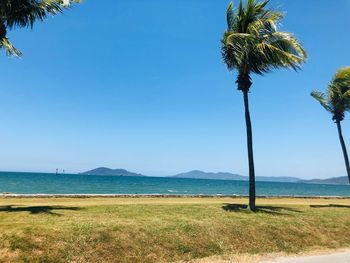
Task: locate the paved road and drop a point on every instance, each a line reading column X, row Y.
column 340, row 257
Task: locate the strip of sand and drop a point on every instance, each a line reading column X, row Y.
column 338, row 257
column 13, row 195
column 331, row 256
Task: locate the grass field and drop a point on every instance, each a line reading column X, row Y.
column 165, row 229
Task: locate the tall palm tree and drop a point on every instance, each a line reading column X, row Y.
column 336, row 100
column 252, row 44
column 24, row 13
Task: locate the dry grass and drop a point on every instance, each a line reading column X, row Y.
column 166, row 229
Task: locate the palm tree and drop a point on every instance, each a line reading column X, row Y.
column 24, row 13
column 336, row 100
column 253, row 45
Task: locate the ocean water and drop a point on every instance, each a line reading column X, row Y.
column 40, row 183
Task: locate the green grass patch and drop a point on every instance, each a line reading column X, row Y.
column 60, row 230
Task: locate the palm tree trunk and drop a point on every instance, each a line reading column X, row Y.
column 252, row 196
column 346, row 158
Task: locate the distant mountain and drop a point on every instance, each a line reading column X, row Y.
column 229, row 176
column 111, row 172
column 196, row 174
column 334, row 180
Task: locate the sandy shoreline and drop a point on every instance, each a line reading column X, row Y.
column 312, row 256
column 11, row 195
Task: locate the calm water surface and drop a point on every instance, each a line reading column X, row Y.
column 33, row 183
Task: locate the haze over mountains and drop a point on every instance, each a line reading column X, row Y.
column 333, row 180
column 196, row 174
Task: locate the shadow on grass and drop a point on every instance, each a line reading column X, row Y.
column 276, row 210
column 330, row 205
column 37, row 209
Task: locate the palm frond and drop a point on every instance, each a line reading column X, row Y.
column 24, row 13
column 276, row 57
column 10, row 49
column 230, row 15
column 342, row 79
column 342, row 73
column 321, row 98
column 287, row 42
column 267, row 24
column 347, row 94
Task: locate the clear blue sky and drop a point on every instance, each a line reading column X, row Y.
column 140, row 85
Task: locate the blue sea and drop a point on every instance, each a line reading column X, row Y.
column 41, row 183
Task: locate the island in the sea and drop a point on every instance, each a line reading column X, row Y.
column 111, row 172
